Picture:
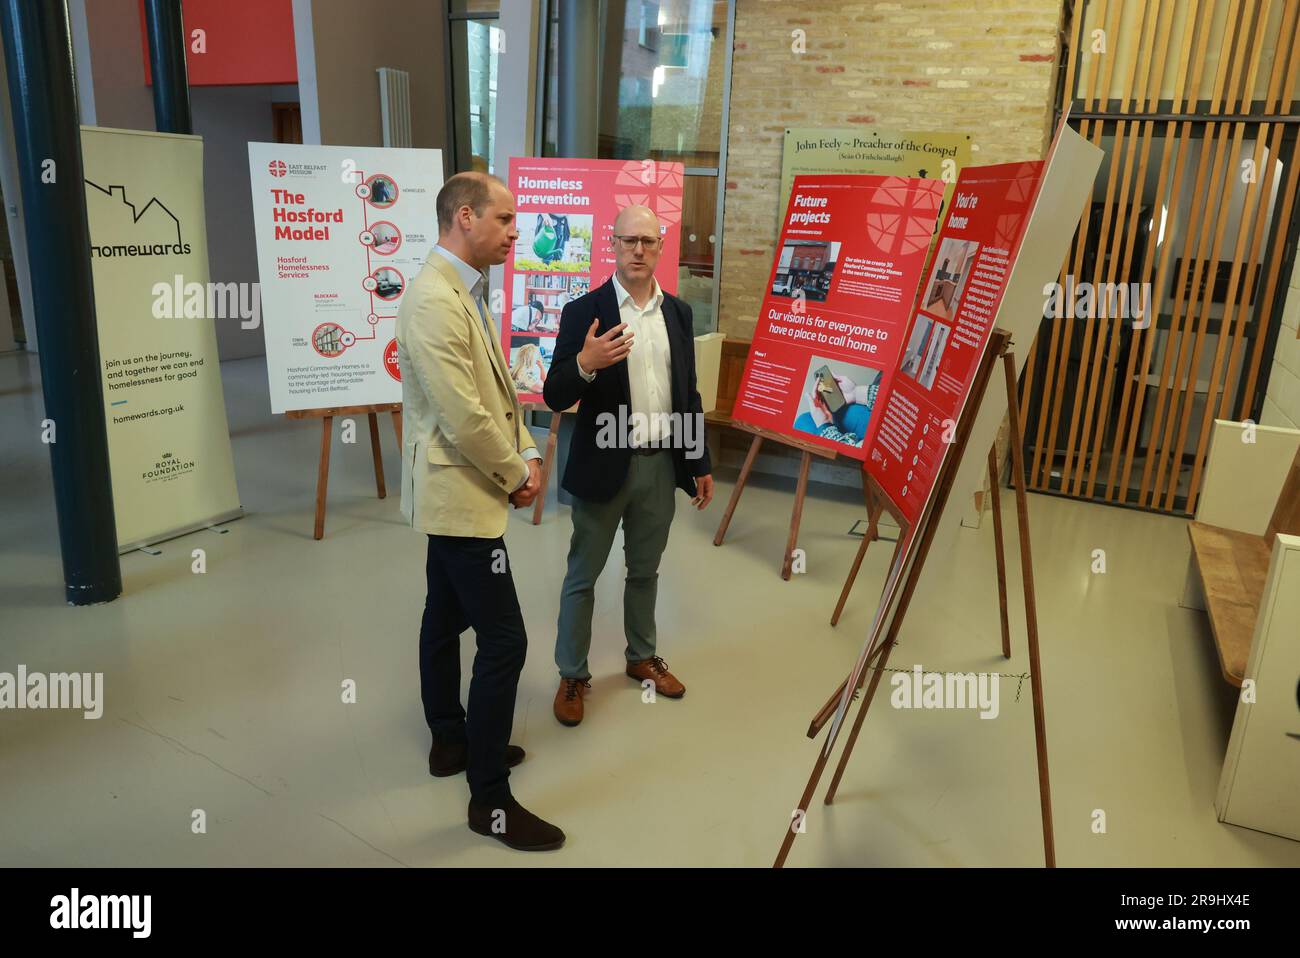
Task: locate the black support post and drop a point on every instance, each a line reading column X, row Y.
column 42, row 88
column 167, row 69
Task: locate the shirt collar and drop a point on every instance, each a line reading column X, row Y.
column 622, row 295
column 471, row 277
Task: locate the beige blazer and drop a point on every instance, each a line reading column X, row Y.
column 461, row 423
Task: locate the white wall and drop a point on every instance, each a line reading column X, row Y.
column 1282, row 401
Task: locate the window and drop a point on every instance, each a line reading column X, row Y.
column 663, row 84
column 475, row 43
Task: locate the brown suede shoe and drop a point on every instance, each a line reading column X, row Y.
column 452, row 758
column 656, row 670
column 568, row 701
column 515, row 826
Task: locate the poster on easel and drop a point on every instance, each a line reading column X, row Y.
column 839, row 294
column 950, row 328
column 165, row 412
column 341, row 231
column 921, row 154
column 565, row 211
column 1028, row 214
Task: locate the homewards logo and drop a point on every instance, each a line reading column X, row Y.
column 120, row 229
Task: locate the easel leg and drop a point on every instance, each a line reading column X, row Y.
column 1031, row 611
column 996, row 495
column 380, row 491
column 740, row 487
column 323, row 475
column 805, row 462
column 878, row 671
column 397, row 428
column 802, row 811
column 548, row 460
column 873, row 518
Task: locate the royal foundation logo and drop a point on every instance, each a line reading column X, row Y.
column 123, row 228
column 168, row 467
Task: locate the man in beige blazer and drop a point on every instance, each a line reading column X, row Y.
column 466, row 456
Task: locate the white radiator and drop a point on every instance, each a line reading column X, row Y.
column 395, row 106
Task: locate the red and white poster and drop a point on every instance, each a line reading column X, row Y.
column 565, row 210
column 340, row 231
column 842, row 286
column 950, row 329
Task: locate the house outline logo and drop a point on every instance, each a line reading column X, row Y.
column 161, row 243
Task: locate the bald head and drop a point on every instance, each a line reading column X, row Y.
column 636, row 219
column 637, row 245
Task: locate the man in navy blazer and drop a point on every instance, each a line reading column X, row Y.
column 625, row 355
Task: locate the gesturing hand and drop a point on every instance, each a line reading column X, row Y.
column 601, row 351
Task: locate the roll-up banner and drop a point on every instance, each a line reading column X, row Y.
column 168, row 440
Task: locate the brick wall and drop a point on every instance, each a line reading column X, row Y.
column 983, row 66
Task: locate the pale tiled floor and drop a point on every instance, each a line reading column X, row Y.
column 223, row 689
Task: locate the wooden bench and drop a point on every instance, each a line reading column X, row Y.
column 1229, row 572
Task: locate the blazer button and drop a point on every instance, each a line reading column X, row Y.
column 510, row 415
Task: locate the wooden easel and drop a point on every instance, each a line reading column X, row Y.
column 808, row 450
column 548, row 458
column 999, row 346
column 327, row 414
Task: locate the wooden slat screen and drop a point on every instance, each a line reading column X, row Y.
column 1193, row 102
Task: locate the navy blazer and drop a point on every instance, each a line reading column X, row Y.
column 597, row 473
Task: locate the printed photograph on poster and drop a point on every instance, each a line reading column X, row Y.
column 914, row 355
column 380, row 191
column 386, row 283
column 530, row 361
column 540, row 298
column 837, row 400
column 806, row 265
column 924, row 350
column 553, row 241
column 384, row 238
column 938, row 342
column 952, row 264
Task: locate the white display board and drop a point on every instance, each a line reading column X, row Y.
column 341, row 231
column 168, row 440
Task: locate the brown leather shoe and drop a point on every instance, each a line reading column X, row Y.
column 656, row 670
column 452, row 758
column 515, row 826
column 568, row 701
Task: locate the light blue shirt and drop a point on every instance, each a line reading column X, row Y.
column 476, row 283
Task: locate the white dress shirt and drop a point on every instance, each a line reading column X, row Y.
column 476, row 283
column 649, row 365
